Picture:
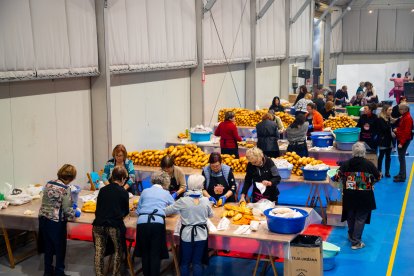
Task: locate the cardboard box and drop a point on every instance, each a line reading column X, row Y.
column 334, row 214
column 305, row 260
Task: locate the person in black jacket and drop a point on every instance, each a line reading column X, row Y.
column 368, row 123
column 302, row 92
column 385, row 139
column 267, row 136
column 112, row 207
column 358, row 176
column 276, row 106
column 319, row 102
column 263, row 174
column 328, row 110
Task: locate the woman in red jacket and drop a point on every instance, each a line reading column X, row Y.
column 227, row 131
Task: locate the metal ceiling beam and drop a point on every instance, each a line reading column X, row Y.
column 264, row 9
column 325, row 12
column 300, row 11
column 209, row 5
column 344, row 12
column 366, row 4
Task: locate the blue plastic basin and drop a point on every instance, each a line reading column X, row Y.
column 322, row 141
column 286, row 225
column 314, row 175
column 344, row 145
column 321, row 133
column 285, row 173
column 347, row 134
column 200, row 137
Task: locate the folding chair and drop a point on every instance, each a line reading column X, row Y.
column 93, row 178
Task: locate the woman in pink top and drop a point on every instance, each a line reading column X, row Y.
column 398, row 89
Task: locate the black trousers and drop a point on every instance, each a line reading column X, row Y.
column 387, row 153
column 300, row 149
column 53, row 235
column 231, row 151
column 356, row 222
column 401, row 157
column 153, row 247
column 273, row 154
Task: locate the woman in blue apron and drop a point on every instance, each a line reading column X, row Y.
column 220, row 182
column 194, row 210
column 151, row 242
column 177, row 185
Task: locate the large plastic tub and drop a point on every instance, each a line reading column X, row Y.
column 347, row 134
column 314, row 175
column 200, row 137
column 322, row 141
column 321, row 133
column 285, row 173
column 344, row 145
column 286, row 225
column 353, row 110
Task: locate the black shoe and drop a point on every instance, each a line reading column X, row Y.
column 399, row 179
column 387, row 175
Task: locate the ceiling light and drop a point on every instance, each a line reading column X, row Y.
column 412, row 10
column 370, row 11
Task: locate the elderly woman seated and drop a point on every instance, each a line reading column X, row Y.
column 358, row 176
column 194, row 210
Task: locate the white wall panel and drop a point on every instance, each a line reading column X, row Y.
column 34, row 132
column 149, row 109
column 74, row 126
column 368, row 31
column 17, row 58
column 271, row 32
column 404, row 30
column 118, row 35
column 218, row 78
column 6, row 141
column 300, row 32
column 386, row 30
column 350, row 31
column 267, row 83
column 50, row 37
column 232, row 20
column 336, row 35
column 45, row 124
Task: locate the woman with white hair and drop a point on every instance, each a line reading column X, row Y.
column 262, row 173
column 358, row 176
column 194, row 210
column 151, row 243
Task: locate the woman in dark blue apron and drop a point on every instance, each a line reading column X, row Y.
column 220, row 182
column 177, row 185
column 151, row 243
column 194, row 210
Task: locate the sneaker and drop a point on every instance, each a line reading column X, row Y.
column 358, row 246
column 399, row 179
column 387, row 175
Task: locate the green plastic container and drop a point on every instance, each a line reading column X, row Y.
column 1, row 196
column 353, row 110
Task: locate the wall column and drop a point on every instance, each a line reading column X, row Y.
column 251, row 66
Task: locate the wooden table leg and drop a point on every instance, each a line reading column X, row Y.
column 257, row 260
column 323, row 213
column 8, row 247
column 175, row 258
column 271, row 260
column 310, row 195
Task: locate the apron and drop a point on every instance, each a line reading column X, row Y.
column 214, row 181
column 139, row 250
column 204, row 259
column 174, row 187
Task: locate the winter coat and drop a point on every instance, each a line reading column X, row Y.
column 267, row 135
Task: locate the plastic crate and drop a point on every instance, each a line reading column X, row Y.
column 347, row 134
column 285, row 173
column 344, row 145
column 322, row 141
column 200, row 137
column 314, row 175
column 353, row 110
column 286, row 225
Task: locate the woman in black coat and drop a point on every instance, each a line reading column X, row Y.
column 276, row 106
column 267, row 136
column 358, row 176
column 368, row 122
column 385, row 139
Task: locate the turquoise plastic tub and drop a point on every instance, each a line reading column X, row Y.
column 347, row 134
column 200, row 137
